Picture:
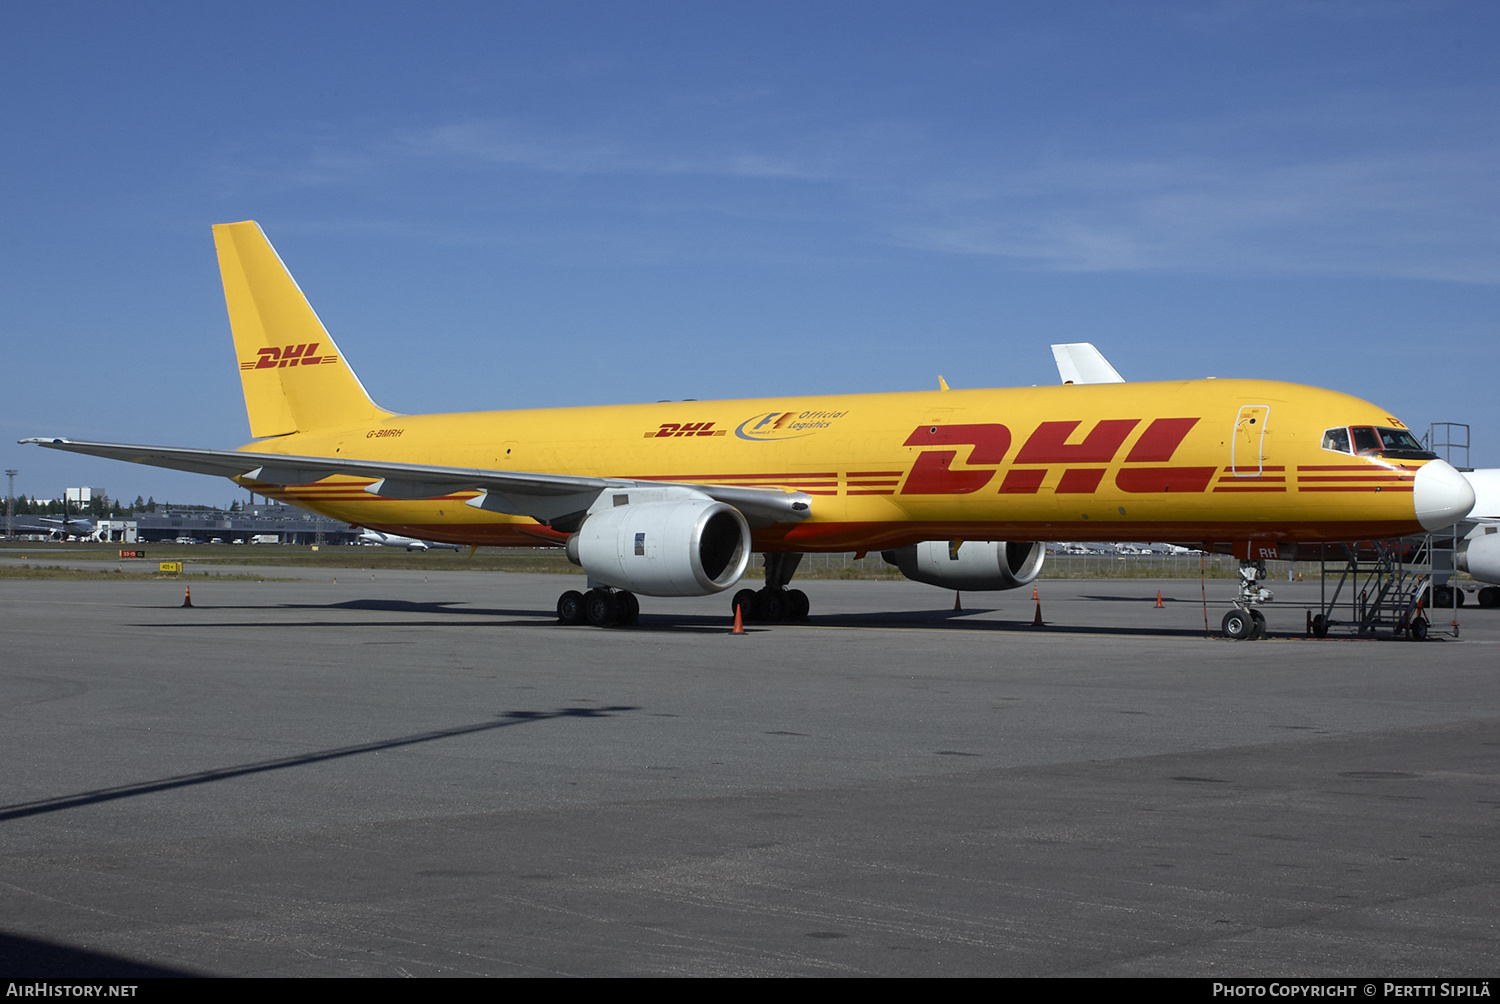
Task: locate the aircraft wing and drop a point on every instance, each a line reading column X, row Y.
column 543, row 497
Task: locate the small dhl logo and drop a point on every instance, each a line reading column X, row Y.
column 290, row 355
column 670, row 430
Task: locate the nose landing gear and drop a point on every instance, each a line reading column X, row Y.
column 1244, row 622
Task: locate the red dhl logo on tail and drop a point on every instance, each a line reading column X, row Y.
column 933, row 473
column 290, row 355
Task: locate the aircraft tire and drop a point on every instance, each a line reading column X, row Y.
column 1259, row 630
column 1489, row 597
column 570, row 607
column 799, row 603
column 630, row 607
column 1238, row 624
column 744, row 601
column 1446, row 596
column 602, row 608
column 773, row 604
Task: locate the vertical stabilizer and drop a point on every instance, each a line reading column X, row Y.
column 1080, row 362
column 293, row 376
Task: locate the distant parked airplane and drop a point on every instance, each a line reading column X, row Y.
column 410, row 543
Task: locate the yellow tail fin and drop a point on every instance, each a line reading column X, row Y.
column 293, row 376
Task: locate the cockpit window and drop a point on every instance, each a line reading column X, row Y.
column 1337, row 439
column 1398, row 444
column 1365, row 440
column 1398, row 439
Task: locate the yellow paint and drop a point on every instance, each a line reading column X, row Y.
column 849, row 452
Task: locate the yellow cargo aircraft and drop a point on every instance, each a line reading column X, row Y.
column 958, row 488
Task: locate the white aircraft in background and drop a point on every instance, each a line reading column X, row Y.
column 410, row 543
column 1478, row 552
column 55, row 527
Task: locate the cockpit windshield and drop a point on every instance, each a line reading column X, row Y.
column 1399, row 439
column 1372, row 440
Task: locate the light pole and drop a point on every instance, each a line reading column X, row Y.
column 10, row 504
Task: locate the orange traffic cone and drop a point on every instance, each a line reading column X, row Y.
column 1158, row 600
column 956, row 604
column 1037, row 620
column 187, row 596
column 1033, row 592
column 739, row 621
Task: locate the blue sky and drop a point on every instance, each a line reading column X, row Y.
column 536, row 204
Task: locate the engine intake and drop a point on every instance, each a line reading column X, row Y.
column 692, row 547
column 976, row 565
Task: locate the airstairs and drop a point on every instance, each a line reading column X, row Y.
column 1383, row 587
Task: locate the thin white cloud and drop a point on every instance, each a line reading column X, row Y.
column 1428, row 215
column 1355, row 183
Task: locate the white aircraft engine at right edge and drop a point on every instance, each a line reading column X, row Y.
column 1480, row 557
column 1479, row 552
column 974, row 566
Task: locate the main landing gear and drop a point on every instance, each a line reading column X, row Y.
column 600, row 607
column 1244, row 622
column 774, row 601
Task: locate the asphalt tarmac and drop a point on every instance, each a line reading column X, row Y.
column 423, row 774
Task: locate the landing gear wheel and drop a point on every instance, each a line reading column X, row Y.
column 1419, row 629
column 1259, row 630
column 744, row 602
column 1320, row 626
column 601, row 607
column 799, row 603
column 570, row 607
column 773, row 604
column 630, row 607
column 1447, row 596
column 1489, row 597
column 1238, row 624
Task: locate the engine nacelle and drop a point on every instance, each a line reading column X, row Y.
column 1480, row 557
column 976, row 565
column 692, row 547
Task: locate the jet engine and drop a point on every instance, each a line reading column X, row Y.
column 692, row 547
column 1480, row 557
column 973, row 565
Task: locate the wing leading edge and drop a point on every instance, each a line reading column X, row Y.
column 547, row 498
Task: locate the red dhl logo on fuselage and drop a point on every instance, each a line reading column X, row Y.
column 289, row 355
column 668, row 430
column 933, row 474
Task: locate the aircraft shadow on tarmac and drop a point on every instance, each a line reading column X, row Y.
column 27, row 958
column 82, row 798
column 965, row 619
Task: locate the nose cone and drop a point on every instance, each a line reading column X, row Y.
column 1441, row 495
